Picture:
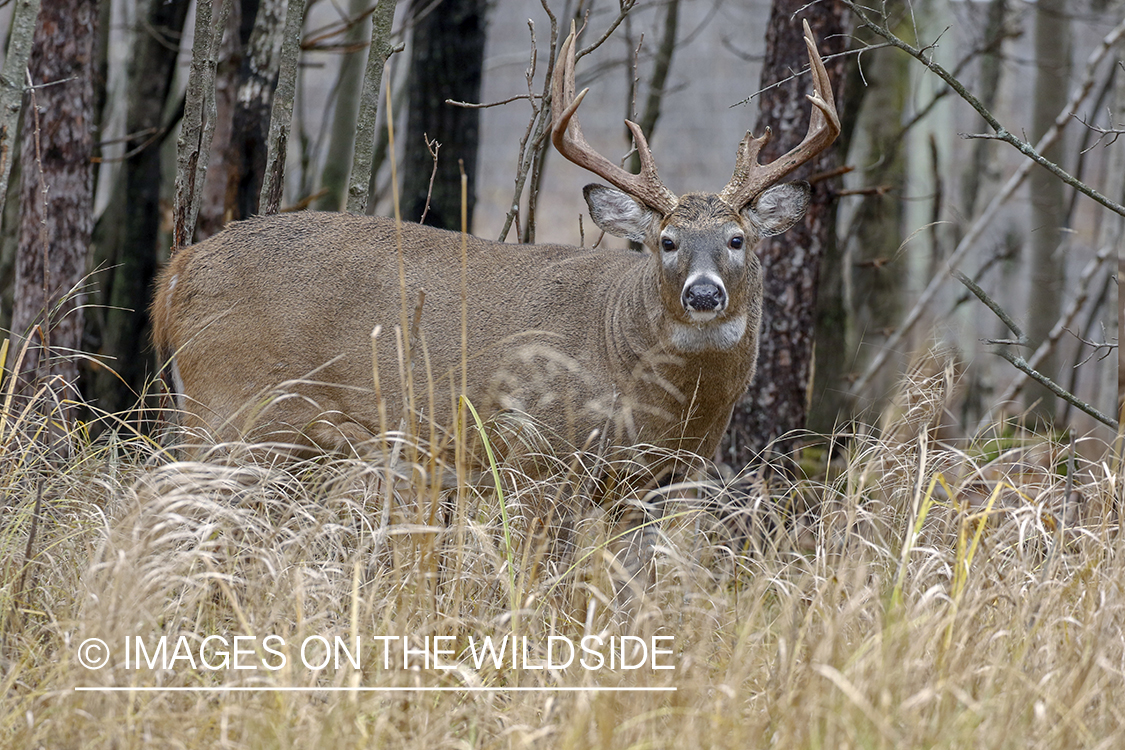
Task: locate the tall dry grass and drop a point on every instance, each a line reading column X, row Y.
column 913, row 593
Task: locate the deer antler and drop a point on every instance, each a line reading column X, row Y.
column 751, row 178
column 566, row 134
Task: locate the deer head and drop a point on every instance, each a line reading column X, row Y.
column 704, row 241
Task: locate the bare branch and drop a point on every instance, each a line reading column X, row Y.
column 985, row 219
column 1020, row 364
column 1024, row 366
column 509, row 100
column 1065, row 321
column 994, row 306
column 1032, row 152
column 433, row 147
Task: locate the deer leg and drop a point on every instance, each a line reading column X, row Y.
column 633, row 537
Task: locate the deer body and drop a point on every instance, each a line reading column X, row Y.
column 579, row 339
column 270, row 322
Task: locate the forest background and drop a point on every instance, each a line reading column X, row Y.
column 910, row 190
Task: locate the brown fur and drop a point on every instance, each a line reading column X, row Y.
column 576, row 338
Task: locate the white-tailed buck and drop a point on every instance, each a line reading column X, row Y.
column 638, row 348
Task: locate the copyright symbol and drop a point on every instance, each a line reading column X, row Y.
column 93, row 653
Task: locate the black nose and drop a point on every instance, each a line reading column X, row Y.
column 704, row 297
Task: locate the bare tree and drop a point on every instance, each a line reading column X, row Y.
column 341, row 144
column 1048, row 217
column 248, row 147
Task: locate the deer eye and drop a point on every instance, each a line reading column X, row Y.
column 668, row 245
column 735, row 243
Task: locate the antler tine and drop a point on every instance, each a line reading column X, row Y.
column 751, row 178
column 566, row 134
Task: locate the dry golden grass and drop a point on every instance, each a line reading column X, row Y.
column 926, row 596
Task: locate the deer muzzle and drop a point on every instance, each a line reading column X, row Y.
column 703, row 297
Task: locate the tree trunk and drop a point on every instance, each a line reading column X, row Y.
column 777, row 400
column 446, row 62
column 349, row 85
column 877, row 271
column 212, row 208
column 1048, row 267
column 129, row 242
column 56, row 193
column 250, row 126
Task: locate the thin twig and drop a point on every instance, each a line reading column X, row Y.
column 432, row 147
column 985, row 219
column 509, row 100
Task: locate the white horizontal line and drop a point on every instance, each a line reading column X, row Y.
column 267, row 689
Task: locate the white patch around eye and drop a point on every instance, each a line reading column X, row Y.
column 703, row 337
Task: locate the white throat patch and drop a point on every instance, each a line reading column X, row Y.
column 709, row 336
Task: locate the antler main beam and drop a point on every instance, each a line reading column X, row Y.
column 566, row 134
column 751, row 178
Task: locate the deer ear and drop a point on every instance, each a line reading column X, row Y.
column 619, row 214
column 778, row 208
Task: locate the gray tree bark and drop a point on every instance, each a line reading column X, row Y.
column 875, row 268
column 212, row 208
column 341, row 144
column 12, row 84
column 249, row 144
column 129, row 234
column 1048, row 267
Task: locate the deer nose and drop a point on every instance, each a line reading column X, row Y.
column 705, row 295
